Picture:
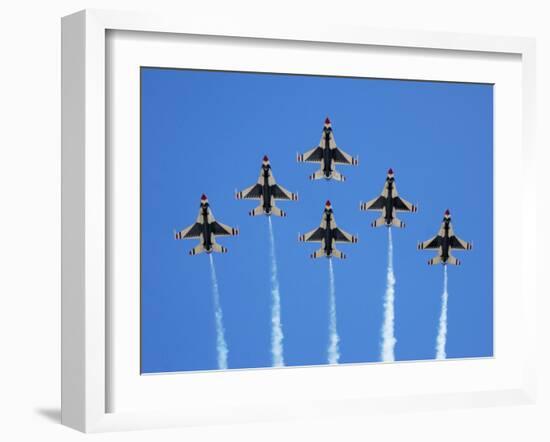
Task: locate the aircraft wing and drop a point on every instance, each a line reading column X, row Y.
column 342, row 236
column 314, row 155
column 193, row 231
column 457, row 243
column 403, row 206
column 253, row 192
column 341, row 157
column 432, row 243
column 316, row 235
column 220, row 229
column 374, row 204
column 280, row 193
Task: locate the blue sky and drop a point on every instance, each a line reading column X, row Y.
column 207, row 132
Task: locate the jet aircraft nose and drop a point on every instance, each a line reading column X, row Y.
column 327, row 204
column 327, row 121
column 266, row 159
column 390, row 171
column 203, row 197
column 447, row 212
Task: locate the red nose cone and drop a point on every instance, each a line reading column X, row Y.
column 203, row 197
column 327, row 203
column 265, row 158
column 390, row 171
column 327, row 121
column 447, row 212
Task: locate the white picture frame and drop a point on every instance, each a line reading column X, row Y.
column 86, row 203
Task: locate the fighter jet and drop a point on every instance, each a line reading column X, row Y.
column 206, row 228
column 444, row 241
column 328, row 155
column 328, row 234
column 267, row 191
column 389, row 202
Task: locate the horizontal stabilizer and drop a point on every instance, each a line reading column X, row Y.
column 337, row 176
column 196, row 250
column 219, row 249
column 433, row 261
column 319, row 175
column 453, row 261
column 397, row 223
column 277, row 212
column 318, row 253
column 257, row 211
column 338, row 254
column 379, row 222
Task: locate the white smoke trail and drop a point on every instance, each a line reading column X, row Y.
column 388, row 338
column 276, row 327
column 334, row 339
column 442, row 334
column 221, row 345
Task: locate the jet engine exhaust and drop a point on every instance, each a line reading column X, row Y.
column 388, row 337
column 334, row 339
column 221, row 345
column 276, row 327
column 442, row 334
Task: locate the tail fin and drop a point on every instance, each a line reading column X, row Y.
column 338, row 254
column 196, row 250
column 257, row 211
column 453, row 261
column 435, row 260
column 397, row 223
column 277, row 212
column 379, row 222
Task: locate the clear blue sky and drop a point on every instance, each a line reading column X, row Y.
column 207, row 132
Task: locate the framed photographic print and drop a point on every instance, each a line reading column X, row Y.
column 262, row 223
column 283, row 308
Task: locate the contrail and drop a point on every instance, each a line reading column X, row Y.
column 276, row 328
column 442, row 334
column 221, row 345
column 388, row 338
column 334, row 339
